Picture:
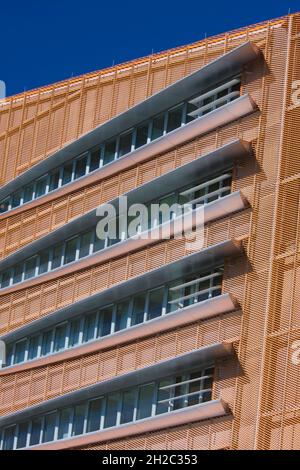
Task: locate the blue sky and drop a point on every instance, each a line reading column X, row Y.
column 47, row 41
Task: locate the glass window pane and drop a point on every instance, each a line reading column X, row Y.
column 94, row 416
column 121, row 315
column 35, row 433
column 109, row 152
column 156, row 298
column 85, row 242
column 57, row 256
column 4, row 205
column 49, row 427
column 8, row 440
column 60, row 337
column 22, row 435
column 138, row 309
column 28, row 193
column 46, row 342
column 9, row 354
column 16, row 199
column 95, row 160
column 18, row 271
column 145, row 400
column 89, row 330
column 128, row 406
column 125, row 144
column 70, row 252
column 5, row 279
column 80, row 167
column 78, row 421
column 54, row 181
column 64, row 423
column 194, row 387
column 20, row 351
column 141, row 135
column 164, row 395
column 67, row 173
column 33, row 347
column 30, row 267
column 74, row 332
column 44, row 262
column 99, row 244
column 112, row 406
column 158, row 126
column 174, row 118
column 40, row 188
column 106, row 320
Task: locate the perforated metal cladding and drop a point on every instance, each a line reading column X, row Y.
column 23, row 389
column 21, row 229
column 37, row 123
column 262, row 387
column 24, row 305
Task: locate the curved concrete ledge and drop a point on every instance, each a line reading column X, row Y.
column 221, row 208
column 176, row 365
column 225, row 66
column 209, row 410
column 201, row 311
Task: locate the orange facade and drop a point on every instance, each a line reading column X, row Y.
column 260, row 381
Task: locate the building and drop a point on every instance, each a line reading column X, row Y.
column 142, row 344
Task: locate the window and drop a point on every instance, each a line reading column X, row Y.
column 20, row 351
column 121, row 315
column 60, row 337
column 28, row 193
column 125, row 144
column 22, row 435
column 67, row 173
column 85, row 244
column 141, row 135
column 146, row 395
column 54, row 180
column 16, row 199
column 33, row 347
column 4, row 206
column 57, row 256
column 70, row 252
column 49, row 427
column 112, row 406
column 35, row 434
column 80, row 167
column 74, row 332
column 138, row 309
column 64, row 423
column 8, row 439
column 109, row 152
column 78, row 421
column 128, row 405
column 5, row 279
column 106, row 320
column 158, row 126
column 44, row 262
column 18, row 272
column 94, row 415
column 46, row 342
column 174, row 118
column 30, row 265
column 90, row 327
column 156, row 298
column 41, row 186
column 95, row 160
